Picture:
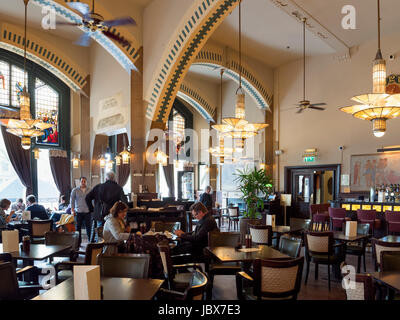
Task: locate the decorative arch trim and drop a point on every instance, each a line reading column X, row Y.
column 12, row 39
column 126, row 56
column 199, row 103
column 204, row 18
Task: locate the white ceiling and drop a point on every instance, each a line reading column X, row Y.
column 206, row 73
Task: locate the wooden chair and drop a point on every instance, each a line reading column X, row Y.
column 233, row 217
column 124, row 265
column 213, row 268
column 368, row 216
column 64, row 268
column 390, row 261
column 172, row 272
column 320, row 249
column 378, row 246
column 194, row 291
column 364, row 288
column 272, row 279
column 261, row 234
column 9, row 286
column 37, row 230
column 290, row 246
column 337, row 218
column 358, row 248
column 216, row 214
column 63, row 238
column 392, row 222
column 301, row 226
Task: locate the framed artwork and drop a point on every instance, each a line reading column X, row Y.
column 372, row 170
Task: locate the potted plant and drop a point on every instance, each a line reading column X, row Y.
column 255, row 186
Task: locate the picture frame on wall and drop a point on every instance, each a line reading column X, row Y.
column 371, row 170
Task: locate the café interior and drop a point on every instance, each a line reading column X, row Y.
column 253, row 145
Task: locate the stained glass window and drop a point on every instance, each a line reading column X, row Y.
column 4, row 83
column 17, row 80
column 46, row 106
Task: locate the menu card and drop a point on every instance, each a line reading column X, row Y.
column 10, row 241
column 271, row 220
column 351, row 228
column 87, row 283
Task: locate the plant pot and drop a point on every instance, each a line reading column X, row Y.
column 244, row 227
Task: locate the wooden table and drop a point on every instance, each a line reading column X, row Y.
column 390, row 279
column 390, row 238
column 113, row 289
column 341, row 236
column 229, row 254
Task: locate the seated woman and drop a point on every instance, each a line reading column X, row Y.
column 115, row 228
column 4, row 218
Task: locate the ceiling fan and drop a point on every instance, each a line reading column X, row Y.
column 306, row 104
column 94, row 21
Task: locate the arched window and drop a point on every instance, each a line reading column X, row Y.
column 50, row 101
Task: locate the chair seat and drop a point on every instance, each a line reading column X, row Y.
column 323, row 258
column 182, row 280
column 225, row 268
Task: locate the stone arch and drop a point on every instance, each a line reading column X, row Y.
column 197, row 101
column 214, row 56
column 42, row 53
column 200, row 22
column 126, row 56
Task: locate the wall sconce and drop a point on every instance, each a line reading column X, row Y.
column 36, row 153
column 118, row 160
column 125, row 154
column 162, row 158
column 102, row 162
column 75, row 161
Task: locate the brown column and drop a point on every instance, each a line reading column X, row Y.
column 141, row 173
column 269, row 141
column 85, row 130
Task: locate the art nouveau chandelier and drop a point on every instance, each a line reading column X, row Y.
column 25, row 127
column 377, row 106
column 238, row 127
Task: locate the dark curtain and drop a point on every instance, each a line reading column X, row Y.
column 123, row 170
column 60, row 168
column 169, row 174
column 19, row 158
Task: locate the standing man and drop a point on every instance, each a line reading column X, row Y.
column 80, row 209
column 104, row 195
column 206, row 198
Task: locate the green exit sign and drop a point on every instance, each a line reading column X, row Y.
column 309, row 159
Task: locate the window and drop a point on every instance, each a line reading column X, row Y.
column 10, row 184
column 4, row 83
column 17, row 84
column 204, row 179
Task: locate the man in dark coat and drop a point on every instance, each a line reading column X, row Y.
column 104, row 195
column 194, row 242
column 206, row 198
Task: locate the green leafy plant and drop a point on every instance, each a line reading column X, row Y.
column 255, row 186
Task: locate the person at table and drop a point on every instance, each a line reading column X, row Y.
column 79, row 207
column 37, row 210
column 62, row 206
column 104, row 196
column 115, row 228
column 18, row 206
column 4, row 217
column 195, row 242
column 206, row 198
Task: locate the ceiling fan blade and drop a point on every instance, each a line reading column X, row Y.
column 300, row 110
column 316, row 108
column 122, row 41
column 84, row 40
column 119, row 22
column 83, row 8
column 319, row 104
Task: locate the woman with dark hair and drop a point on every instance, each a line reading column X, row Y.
column 115, row 228
column 4, row 218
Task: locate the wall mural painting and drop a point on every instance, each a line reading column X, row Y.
column 374, row 170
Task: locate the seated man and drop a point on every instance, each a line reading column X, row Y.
column 195, row 242
column 18, row 206
column 37, row 210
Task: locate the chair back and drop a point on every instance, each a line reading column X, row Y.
column 393, row 221
column 379, row 246
column 161, row 226
column 261, row 234
column 277, row 278
column 337, row 216
column 197, row 286
column 290, row 246
column 319, row 242
column 91, row 253
column 390, row 261
column 233, row 212
column 5, row 257
column 223, row 239
column 367, row 216
column 166, row 260
column 319, row 208
column 62, row 238
column 363, row 290
column 125, row 265
column 8, row 285
column 38, row 228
